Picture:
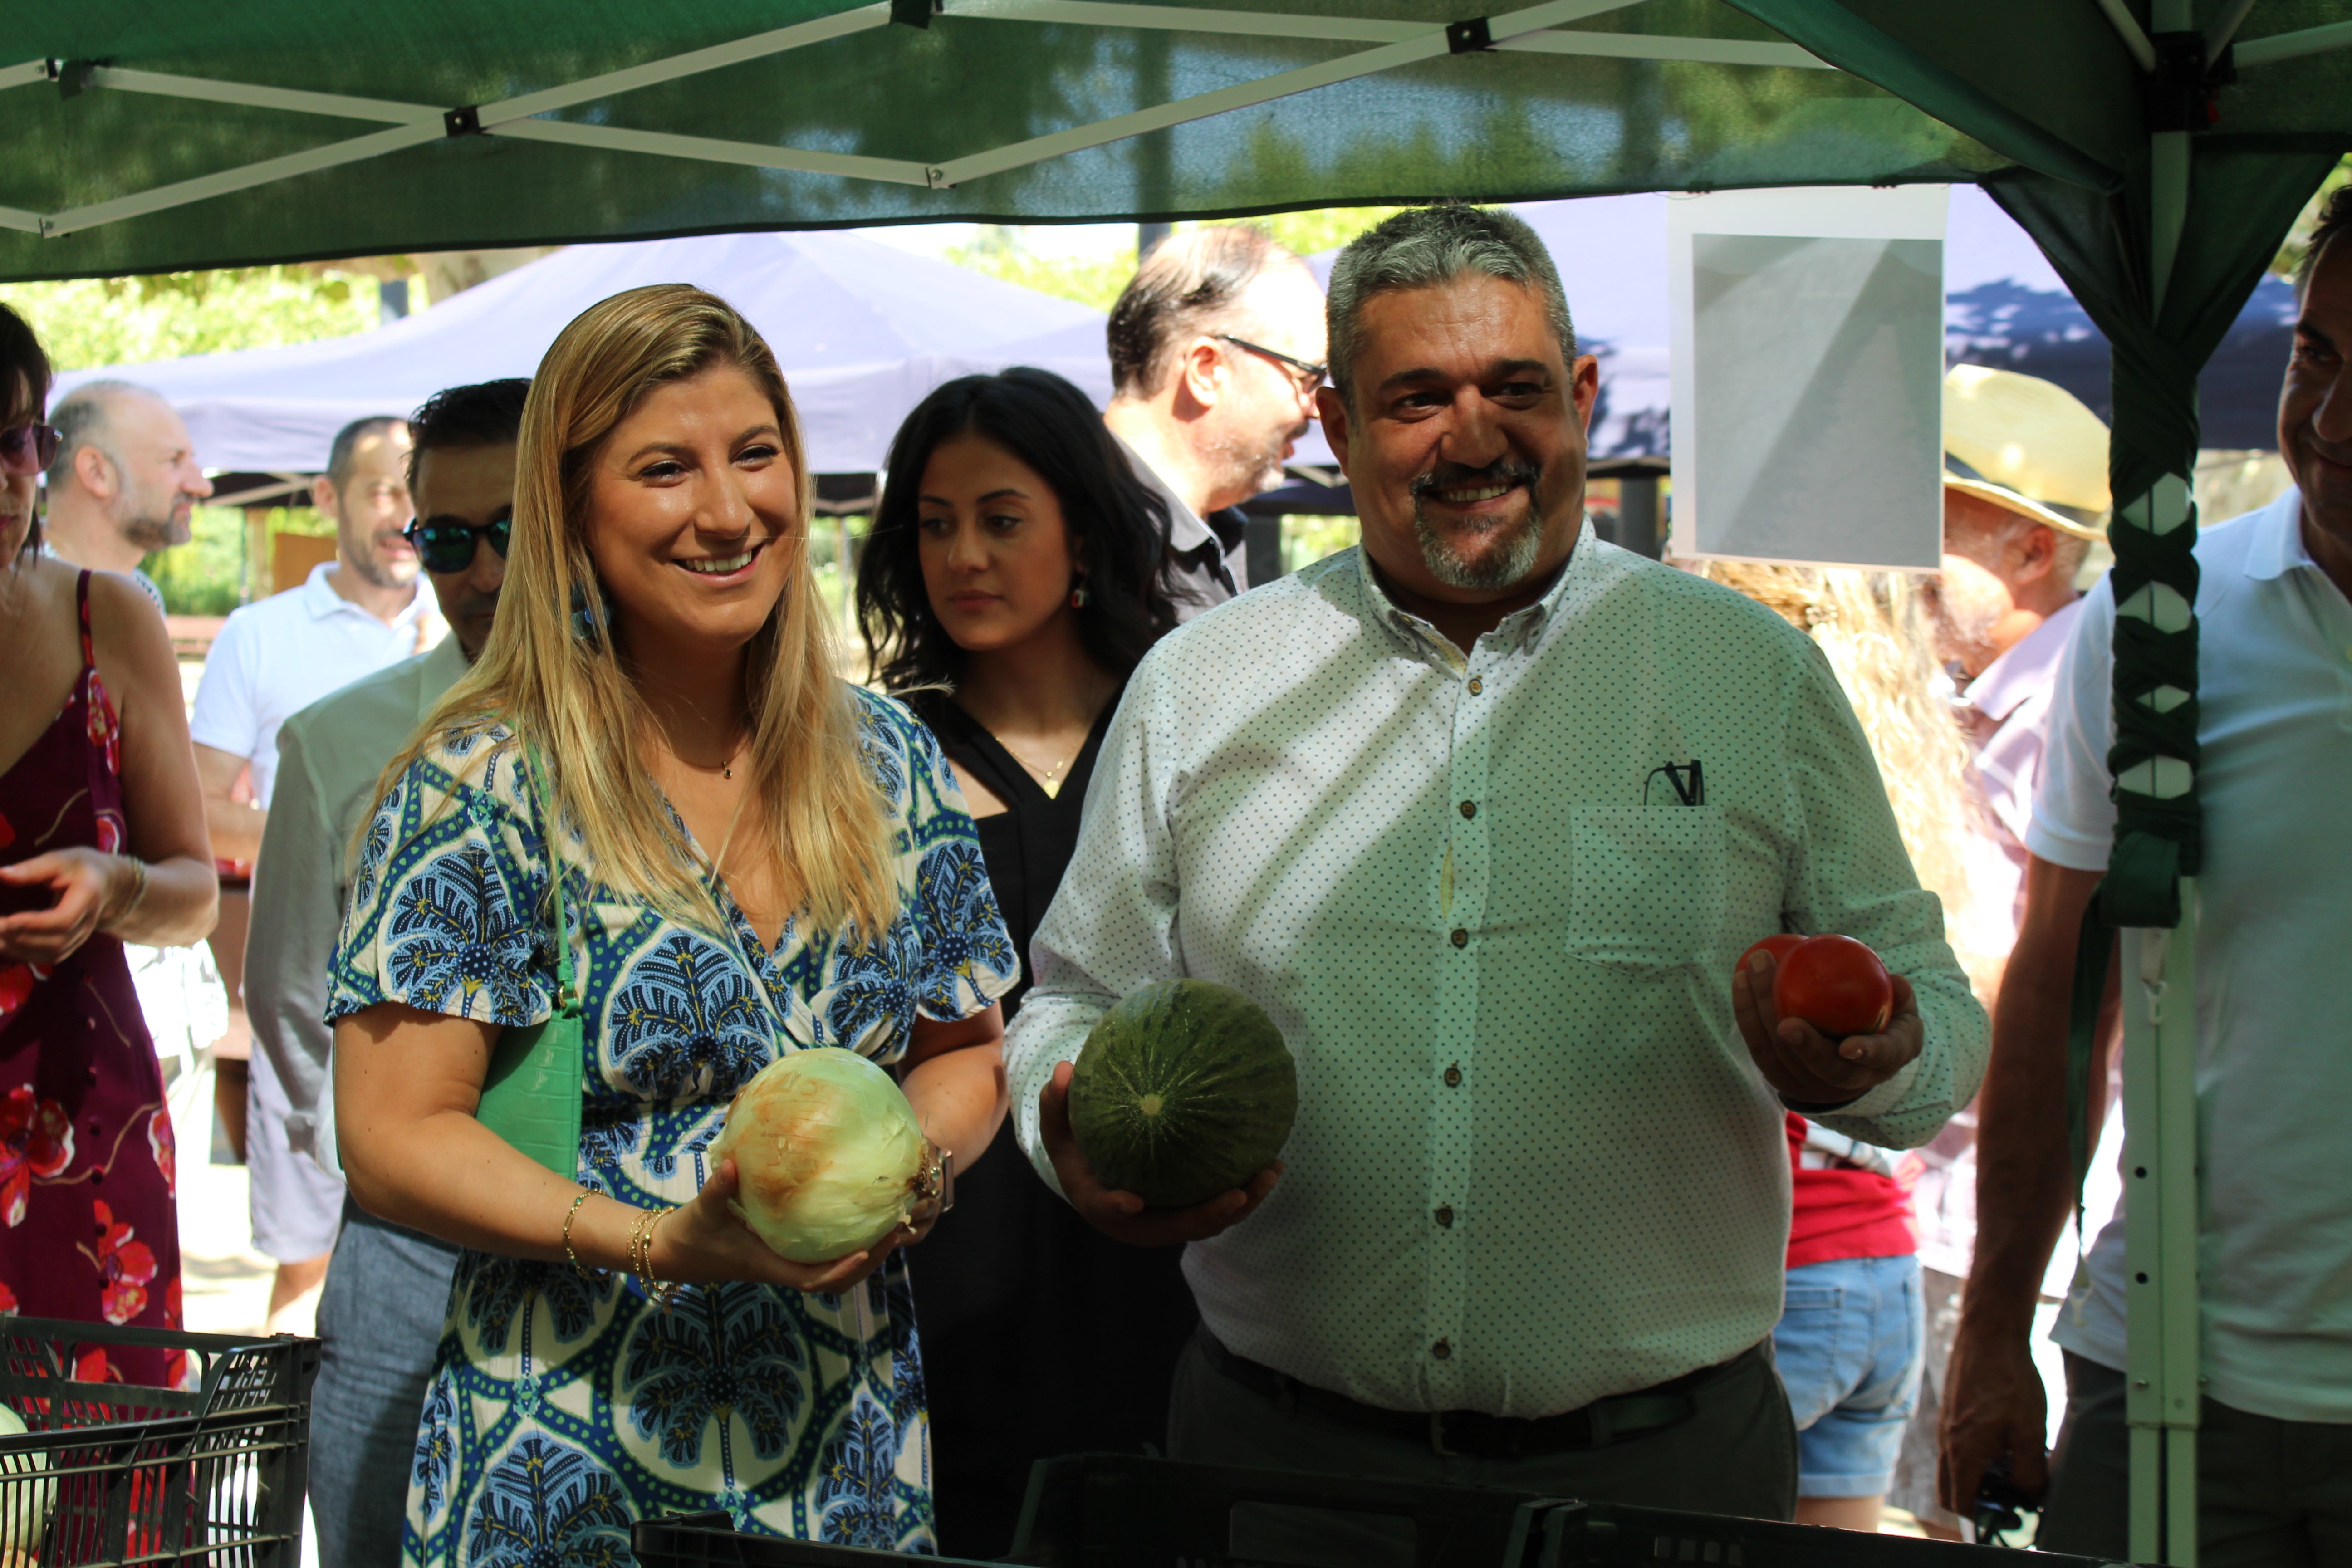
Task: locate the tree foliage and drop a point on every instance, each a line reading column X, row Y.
column 89, row 322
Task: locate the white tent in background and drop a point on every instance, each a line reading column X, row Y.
column 862, row 328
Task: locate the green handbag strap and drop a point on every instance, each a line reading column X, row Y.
column 567, row 996
column 531, row 1089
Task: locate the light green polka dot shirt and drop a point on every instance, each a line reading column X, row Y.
column 1533, row 1163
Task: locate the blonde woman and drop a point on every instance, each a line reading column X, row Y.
column 755, row 858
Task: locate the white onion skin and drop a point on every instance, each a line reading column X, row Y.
column 827, row 1153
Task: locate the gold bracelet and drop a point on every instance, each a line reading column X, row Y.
column 656, row 1291
column 577, row 1267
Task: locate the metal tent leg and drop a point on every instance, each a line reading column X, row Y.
column 2164, row 1388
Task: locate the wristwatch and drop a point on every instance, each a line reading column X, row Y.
column 937, row 1179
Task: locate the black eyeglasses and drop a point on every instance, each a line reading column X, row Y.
column 1313, row 373
column 29, row 448
column 447, row 547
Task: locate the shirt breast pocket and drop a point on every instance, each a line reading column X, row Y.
column 1646, row 885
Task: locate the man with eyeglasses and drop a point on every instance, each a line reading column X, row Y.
column 1216, row 350
column 380, row 1312
column 350, row 616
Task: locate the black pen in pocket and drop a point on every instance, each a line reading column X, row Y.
column 1689, row 782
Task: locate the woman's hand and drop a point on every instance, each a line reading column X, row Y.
column 88, row 886
column 702, row 1242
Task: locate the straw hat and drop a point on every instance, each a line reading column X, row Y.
column 2035, row 443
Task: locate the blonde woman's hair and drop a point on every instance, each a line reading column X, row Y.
column 814, row 806
column 1874, row 629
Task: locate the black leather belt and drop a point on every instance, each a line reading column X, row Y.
column 1472, row 1434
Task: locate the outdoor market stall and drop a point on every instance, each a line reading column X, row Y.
column 2156, row 152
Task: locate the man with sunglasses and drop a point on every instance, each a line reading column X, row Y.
column 1216, row 350
column 380, row 1312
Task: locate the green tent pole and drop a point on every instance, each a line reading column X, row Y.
column 2162, row 1398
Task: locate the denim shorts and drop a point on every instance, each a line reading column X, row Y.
column 1849, row 1344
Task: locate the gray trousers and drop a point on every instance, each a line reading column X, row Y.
column 379, row 1317
column 2270, row 1493
column 1737, row 1455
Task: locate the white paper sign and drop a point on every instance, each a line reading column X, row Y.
column 1807, row 373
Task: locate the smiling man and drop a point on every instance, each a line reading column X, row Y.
column 2273, row 1053
column 350, row 616
column 1483, row 814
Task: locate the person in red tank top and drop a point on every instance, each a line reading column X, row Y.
column 102, row 840
column 1851, row 1338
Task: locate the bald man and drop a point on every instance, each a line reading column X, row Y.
column 125, row 483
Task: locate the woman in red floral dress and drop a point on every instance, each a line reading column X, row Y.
column 102, row 840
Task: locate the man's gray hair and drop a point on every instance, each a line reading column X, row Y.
column 1189, row 281
column 84, row 419
column 1422, row 247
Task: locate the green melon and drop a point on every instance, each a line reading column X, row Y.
column 1183, row 1090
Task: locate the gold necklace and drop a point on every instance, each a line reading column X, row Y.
column 725, row 770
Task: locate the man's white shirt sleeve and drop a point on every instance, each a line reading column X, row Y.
column 226, row 716
column 2074, row 821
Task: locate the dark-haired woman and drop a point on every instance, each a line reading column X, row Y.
column 102, row 841
column 1016, row 575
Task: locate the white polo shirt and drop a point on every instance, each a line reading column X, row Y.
column 2274, row 1039
column 273, row 658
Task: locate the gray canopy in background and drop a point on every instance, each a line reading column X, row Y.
column 862, row 328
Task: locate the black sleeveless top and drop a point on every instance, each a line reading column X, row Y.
column 1041, row 1335
column 1028, row 846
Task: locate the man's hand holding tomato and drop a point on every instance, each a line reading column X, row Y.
column 1803, row 1063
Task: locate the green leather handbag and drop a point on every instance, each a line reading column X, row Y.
column 530, row 1095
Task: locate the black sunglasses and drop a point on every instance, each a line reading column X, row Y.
column 447, row 547
column 1313, row 373
column 28, row 448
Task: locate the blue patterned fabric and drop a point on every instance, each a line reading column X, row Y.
column 561, row 1409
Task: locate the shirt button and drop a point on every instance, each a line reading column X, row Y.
column 1441, row 1350
column 1461, row 937
column 1454, row 1075
column 1469, row 808
column 1476, row 686
column 1445, row 1216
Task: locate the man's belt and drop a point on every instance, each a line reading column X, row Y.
column 1474, row 1434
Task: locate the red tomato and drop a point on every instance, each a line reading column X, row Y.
column 1836, row 984
column 1780, row 946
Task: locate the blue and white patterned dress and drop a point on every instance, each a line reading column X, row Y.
column 561, row 1409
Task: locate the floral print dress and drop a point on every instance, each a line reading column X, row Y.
column 88, row 1228
column 561, row 1408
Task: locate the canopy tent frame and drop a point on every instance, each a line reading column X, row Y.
column 412, row 124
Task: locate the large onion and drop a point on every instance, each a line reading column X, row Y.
column 827, row 1150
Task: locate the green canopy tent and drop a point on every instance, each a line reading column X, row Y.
column 2157, row 150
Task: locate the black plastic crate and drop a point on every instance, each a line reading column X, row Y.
column 1603, row 1535
column 1113, row 1510
column 1107, row 1510
column 113, row 1474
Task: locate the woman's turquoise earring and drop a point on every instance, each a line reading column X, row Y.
column 584, row 623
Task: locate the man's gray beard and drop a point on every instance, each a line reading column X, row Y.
column 151, row 534
column 371, row 569
column 1496, row 568
column 1254, row 467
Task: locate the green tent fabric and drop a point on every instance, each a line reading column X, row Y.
column 888, row 104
